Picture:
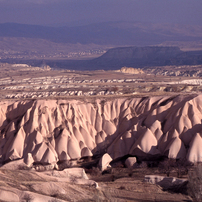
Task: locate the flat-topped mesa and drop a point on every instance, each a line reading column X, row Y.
column 48, row 131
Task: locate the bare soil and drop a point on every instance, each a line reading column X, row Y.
column 115, row 186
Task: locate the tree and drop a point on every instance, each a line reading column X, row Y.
column 195, row 183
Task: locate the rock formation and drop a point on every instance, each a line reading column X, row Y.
column 131, row 70
column 48, row 131
column 165, row 182
column 130, row 162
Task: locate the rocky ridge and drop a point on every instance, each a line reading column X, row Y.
column 177, row 71
column 49, row 131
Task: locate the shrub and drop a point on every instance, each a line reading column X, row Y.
column 94, row 171
column 27, row 197
column 182, row 167
column 64, row 164
column 130, row 172
column 73, row 179
column 166, row 166
column 23, row 167
column 122, row 187
column 143, row 165
column 53, row 200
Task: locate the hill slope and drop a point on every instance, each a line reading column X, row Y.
column 109, row 33
column 147, row 56
column 57, row 130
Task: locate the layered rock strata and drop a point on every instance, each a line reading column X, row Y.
column 48, row 131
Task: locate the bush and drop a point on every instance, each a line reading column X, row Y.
column 122, row 187
column 65, row 164
column 195, row 183
column 73, row 179
column 183, row 167
column 180, row 166
column 27, row 197
column 53, row 200
column 94, row 171
column 167, row 166
column 143, row 165
column 23, row 167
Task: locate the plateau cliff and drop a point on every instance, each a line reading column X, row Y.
column 146, row 57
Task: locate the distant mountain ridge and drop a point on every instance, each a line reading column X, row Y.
column 108, row 33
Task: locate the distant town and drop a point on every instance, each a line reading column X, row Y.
column 12, row 54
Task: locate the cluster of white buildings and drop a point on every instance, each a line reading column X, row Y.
column 60, row 94
column 59, row 86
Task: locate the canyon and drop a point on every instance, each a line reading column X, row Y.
column 49, row 139
column 97, row 135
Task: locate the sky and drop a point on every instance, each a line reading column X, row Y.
column 80, row 12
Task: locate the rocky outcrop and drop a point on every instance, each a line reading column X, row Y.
column 105, row 161
column 166, row 182
column 180, row 71
column 131, row 70
column 130, row 162
column 48, row 131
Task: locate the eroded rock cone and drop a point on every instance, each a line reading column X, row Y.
column 48, row 131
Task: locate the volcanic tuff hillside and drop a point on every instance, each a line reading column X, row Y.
column 47, row 131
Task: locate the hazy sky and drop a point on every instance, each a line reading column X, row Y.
column 75, row 12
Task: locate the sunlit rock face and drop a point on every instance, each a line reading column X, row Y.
column 47, row 131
